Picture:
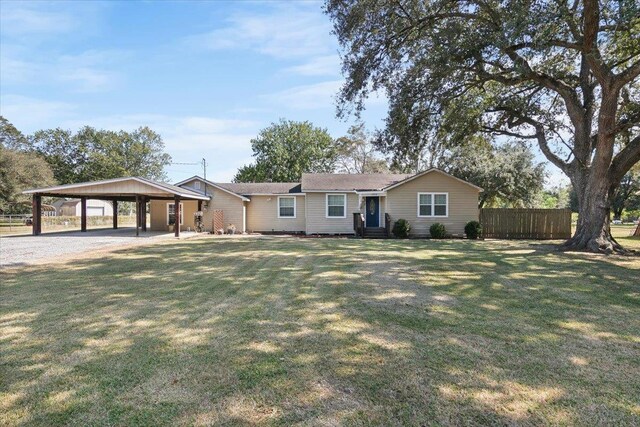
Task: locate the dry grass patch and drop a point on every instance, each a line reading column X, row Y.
column 323, row 332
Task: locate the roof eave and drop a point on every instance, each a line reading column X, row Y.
column 213, row 184
column 60, row 188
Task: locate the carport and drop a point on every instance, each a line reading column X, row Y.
column 128, row 189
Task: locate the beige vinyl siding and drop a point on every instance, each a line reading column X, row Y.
column 232, row 207
column 402, row 202
column 158, row 214
column 262, row 215
column 316, row 214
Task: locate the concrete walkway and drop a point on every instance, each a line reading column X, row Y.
column 26, row 250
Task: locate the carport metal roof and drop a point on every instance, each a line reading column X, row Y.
column 125, row 189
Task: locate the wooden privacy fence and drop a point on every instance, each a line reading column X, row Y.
column 526, row 223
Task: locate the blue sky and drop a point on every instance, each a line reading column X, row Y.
column 206, row 75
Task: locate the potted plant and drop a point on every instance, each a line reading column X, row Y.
column 231, row 229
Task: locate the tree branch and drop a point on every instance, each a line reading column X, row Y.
column 627, row 75
column 625, row 159
column 508, row 133
column 591, row 26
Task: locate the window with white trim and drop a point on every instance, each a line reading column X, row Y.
column 171, row 214
column 286, row 207
column 433, row 204
column 336, row 205
column 196, row 185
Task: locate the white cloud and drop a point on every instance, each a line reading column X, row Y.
column 20, row 18
column 307, row 97
column 325, row 65
column 92, row 70
column 30, row 114
column 287, row 30
column 89, row 71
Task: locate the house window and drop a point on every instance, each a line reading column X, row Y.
column 286, row 207
column 171, row 214
column 336, row 205
column 196, row 185
column 433, row 204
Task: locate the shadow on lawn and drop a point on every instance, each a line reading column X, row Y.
column 322, row 332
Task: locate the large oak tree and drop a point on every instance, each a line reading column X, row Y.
column 561, row 73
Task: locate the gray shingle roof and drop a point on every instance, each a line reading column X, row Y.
column 350, row 182
column 247, row 189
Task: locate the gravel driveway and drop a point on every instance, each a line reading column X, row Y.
column 24, row 250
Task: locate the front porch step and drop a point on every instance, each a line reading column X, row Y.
column 374, row 233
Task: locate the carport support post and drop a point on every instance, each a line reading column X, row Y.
column 36, row 221
column 115, row 213
column 83, row 214
column 176, row 209
column 143, row 213
column 137, row 215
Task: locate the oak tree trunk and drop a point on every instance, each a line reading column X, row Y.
column 593, row 231
column 594, row 181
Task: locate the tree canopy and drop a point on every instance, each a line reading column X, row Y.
column 561, row 74
column 94, row 154
column 287, row 149
column 627, row 195
column 357, row 154
column 18, row 172
column 507, row 173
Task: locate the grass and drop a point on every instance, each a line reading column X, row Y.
column 289, row 331
column 624, row 235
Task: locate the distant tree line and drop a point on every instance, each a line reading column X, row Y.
column 59, row 156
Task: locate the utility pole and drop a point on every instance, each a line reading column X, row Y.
column 203, row 164
column 204, row 169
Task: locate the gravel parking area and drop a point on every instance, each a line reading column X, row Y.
column 25, row 250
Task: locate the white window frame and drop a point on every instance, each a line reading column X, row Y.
column 295, row 212
column 326, row 203
column 197, row 185
column 433, row 204
column 181, row 212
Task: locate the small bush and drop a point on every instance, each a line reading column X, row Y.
column 473, row 229
column 438, row 231
column 401, row 229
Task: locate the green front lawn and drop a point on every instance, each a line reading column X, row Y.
column 323, row 332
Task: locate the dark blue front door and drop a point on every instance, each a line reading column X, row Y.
column 373, row 212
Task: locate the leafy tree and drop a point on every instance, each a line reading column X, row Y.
column 250, row 173
column 287, row 149
column 92, row 154
column 117, row 154
column 356, row 153
column 554, row 198
column 507, row 173
column 561, row 74
column 66, row 156
column 626, row 195
column 10, row 137
column 21, row 171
